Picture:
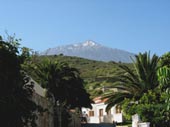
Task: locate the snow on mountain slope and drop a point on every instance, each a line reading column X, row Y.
column 91, row 50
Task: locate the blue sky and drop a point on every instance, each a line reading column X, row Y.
column 132, row 25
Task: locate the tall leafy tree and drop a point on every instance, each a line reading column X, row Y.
column 64, row 86
column 16, row 106
column 132, row 84
column 164, row 80
column 165, row 60
column 62, row 82
column 144, row 90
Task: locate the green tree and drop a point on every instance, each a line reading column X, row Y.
column 132, row 84
column 153, row 106
column 144, row 90
column 64, row 86
column 164, row 80
column 149, row 107
column 165, row 60
column 16, row 106
column 62, row 82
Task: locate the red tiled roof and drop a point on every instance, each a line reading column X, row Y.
column 98, row 100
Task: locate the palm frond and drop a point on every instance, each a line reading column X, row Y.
column 116, row 98
column 132, row 83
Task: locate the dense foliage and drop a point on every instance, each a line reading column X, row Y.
column 132, row 83
column 164, row 80
column 16, row 106
column 144, row 90
column 63, row 84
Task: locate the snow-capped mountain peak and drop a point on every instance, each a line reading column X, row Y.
column 89, row 43
column 91, row 50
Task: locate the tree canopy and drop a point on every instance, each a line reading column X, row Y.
column 132, row 83
column 143, row 90
column 16, row 106
column 62, row 82
column 63, row 85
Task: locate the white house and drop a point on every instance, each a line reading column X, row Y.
column 98, row 113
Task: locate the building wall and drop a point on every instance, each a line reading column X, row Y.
column 45, row 118
column 101, row 116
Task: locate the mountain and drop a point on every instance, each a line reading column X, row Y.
column 91, row 50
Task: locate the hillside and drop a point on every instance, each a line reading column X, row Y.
column 94, row 73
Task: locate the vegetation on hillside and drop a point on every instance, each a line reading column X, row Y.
column 94, row 73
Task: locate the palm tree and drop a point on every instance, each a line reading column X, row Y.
column 132, row 83
column 64, row 86
column 63, row 83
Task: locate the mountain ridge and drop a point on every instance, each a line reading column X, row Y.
column 91, row 50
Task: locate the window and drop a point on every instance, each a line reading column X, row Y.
column 91, row 113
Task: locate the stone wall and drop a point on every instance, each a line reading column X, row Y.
column 45, row 118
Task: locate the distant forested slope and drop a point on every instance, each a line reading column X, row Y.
column 94, row 73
